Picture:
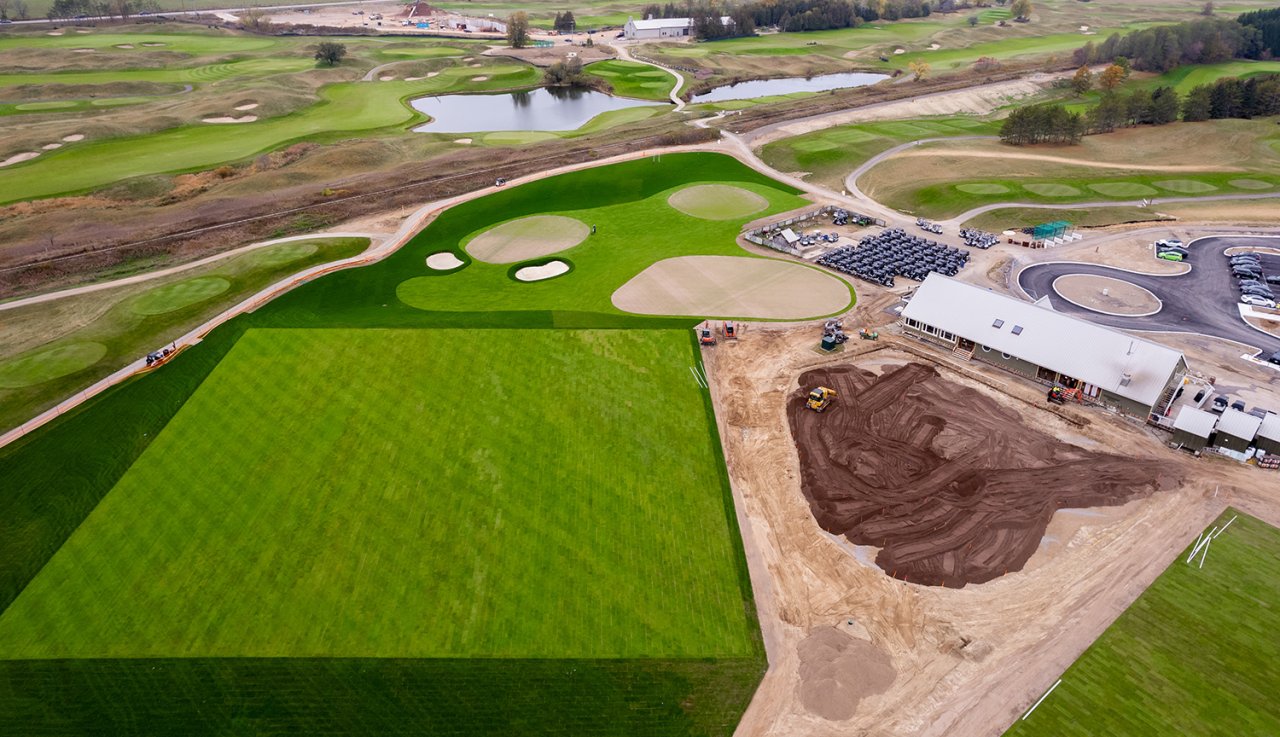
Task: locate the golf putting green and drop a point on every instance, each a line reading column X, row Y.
column 1185, row 186
column 528, row 238
column 732, row 286
column 284, row 253
column 1052, row 190
column 50, row 363
column 1250, row 184
column 181, row 294
column 982, row 188
column 717, row 201
column 1123, row 189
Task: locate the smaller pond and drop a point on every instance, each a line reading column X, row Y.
column 786, row 86
column 543, row 109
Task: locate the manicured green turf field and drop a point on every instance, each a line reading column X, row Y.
column 410, row 493
column 1195, row 655
column 717, row 202
column 830, row 155
column 511, row 518
column 632, row 79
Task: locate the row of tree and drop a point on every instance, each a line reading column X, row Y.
column 791, row 15
column 565, row 22
column 1159, row 49
column 63, row 9
column 1267, row 24
column 18, row 9
column 1231, row 97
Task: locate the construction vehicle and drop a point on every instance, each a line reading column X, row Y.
column 868, row 334
column 730, row 331
column 832, row 335
column 706, row 337
column 1056, row 396
column 820, row 399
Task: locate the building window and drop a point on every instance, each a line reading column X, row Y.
column 986, row 349
column 1017, row 330
column 998, row 324
column 1005, row 356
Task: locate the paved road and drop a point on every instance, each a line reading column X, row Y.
column 1201, row 300
column 969, row 214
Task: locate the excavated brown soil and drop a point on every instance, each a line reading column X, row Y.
column 837, row 671
column 951, row 486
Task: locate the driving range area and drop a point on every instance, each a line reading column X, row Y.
column 1194, row 655
column 497, row 514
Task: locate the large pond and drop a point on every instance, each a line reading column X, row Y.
column 786, row 86
column 543, row 109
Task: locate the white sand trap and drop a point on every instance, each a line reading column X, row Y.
column 480, row 79
column 153, row 43
column 387, row 77
column 83, row 30
column 73, row 137
column 247, row 106
column 545, row 271
column 54, row 33
column 51, row 146
column 228, row 119
column 476, row 65
column 413, row 79
column 732, row 286
column 717, row 202
column 934, row 47
column 82, row 51
column 432, row 74
column 124, row 46
column 19, row 158
column 899, row 51
column 463, row 141
column 528, row 238
column 443, row 261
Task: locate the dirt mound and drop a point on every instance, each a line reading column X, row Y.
column 837, row 671
column 951, row 486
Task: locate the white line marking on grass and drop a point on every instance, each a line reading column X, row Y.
column 697, row 377
column 1195, row 547
column 1042, row 698
column 1205, row 554
column 1228, row 524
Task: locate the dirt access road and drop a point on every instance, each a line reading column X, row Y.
column 964, row 661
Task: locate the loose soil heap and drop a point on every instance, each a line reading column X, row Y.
column 952, row 487
column 837, row 671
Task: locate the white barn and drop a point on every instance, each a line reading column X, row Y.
column 662, row 27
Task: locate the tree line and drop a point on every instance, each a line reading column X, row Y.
column 62, row 9
column 1267, row 24
column 1159, row 49
column 787, row 15
column 1230, row 97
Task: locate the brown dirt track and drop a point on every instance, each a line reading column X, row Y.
column 952, row 487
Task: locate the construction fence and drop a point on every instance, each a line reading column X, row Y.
column 769, row 236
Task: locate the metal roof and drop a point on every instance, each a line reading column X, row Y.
column 656, row 23
column 1237, row 424
column 1195, row 421
column 1077, row 348
column 1270, row 427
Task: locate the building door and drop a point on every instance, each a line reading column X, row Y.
column 1046, row 375
column 966, row 344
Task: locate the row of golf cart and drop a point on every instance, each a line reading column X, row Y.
column 844, row 217
column 881, row 257
column 929, row 227
column 1255, row 286
column 978, row 238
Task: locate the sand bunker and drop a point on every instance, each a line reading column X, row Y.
column 838, row 670
column 1107, row 295
column 73, row 137
column 387, row 77
column 54, row 33
column 479, row 79
column 247, row 106
column 475, row 65
column 154, row 43
column 124, row 46
column 413, row 79
column 82, row 51
column 228, row 119
column 732, row 286
column 463, row 141
column 717, row 202
column 953, row 487
column 544, row 271
column 19, row 158
column 443, row 261
column 528, row 238
column 432, row 74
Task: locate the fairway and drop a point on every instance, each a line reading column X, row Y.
column 50, row 364
column 181, row 294
column 1195, row 655
column 717, row 202
column 450, row 501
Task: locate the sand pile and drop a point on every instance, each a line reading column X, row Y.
column 73, row 137
column 951, row 486
column 229, row 119
column 837, row 671
column 19, row 158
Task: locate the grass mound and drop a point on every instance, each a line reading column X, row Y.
column 1052, row 190
column 50, row 363
column 180, row 294
column 717, row 202
column 1194, row 655
column 528, row 238
column 284, row 253
column 982, row 188
column 1250, row 184
column 1185, row 186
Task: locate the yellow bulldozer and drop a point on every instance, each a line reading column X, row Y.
column 821, row 398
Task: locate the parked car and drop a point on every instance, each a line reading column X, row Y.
column 1219, row 404
column 1200, row 395
column 1184, row 253
column 1257, row 301
column 1258, row 412
column 1170, row 256
column 1238, row 405
column 1273, row 279
column 1275, row 358
column 1169, row 243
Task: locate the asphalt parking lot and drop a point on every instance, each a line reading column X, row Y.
column 1202, row 300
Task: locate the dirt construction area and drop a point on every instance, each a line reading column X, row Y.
column 951, row 487
column 854, row 651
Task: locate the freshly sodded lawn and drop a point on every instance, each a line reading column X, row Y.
column 411, row 493
column 1195, row 655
